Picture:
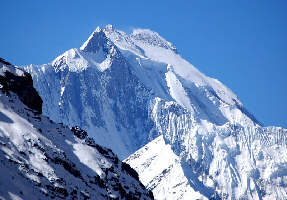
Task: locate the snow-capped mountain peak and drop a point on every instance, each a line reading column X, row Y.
column 145, row 68
column 145, row 90
column 98, row 51
column 95, row 41
column 99, row 41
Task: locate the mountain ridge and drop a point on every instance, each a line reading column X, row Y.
column 139, row 89
column 41, row 159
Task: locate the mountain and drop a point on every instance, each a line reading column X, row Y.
column 40, row 159
column 185, row 133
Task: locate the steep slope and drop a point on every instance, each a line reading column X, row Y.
column 161, row 171
column 96, row 90
column 227, row 162
column 40, row 159
column 135, row 89
column 15, row 80
column 110, row 86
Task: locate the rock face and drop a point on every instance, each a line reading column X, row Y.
column 21, row 83
column 40, row 159
column 136, row 95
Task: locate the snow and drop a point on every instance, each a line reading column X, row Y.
column 38, row 155
column 177, row 91
column 136, row 95
column 237, row 165
column 158, row 168
column 71, row 59
column 152, row 38
column 8, row 68
column 84, row 46
column 87, row 156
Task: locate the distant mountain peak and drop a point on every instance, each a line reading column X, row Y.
column 109, row 33
column 98, row 50
column 98, row 39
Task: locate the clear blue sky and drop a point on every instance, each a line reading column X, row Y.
column 242, row 43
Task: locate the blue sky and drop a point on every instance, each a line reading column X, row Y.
column 241, row 43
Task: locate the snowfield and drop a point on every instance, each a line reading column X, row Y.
column 187, row 135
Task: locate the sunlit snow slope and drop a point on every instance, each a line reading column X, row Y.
column 127, row 90
column 40, row 159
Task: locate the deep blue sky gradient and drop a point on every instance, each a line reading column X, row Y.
column 242, row 43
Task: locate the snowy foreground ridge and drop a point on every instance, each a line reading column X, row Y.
column 187, row 135
column 40, row 159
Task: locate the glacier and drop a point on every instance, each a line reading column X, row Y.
column 133, row 92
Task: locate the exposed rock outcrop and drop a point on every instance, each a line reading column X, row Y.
column 20, row 82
